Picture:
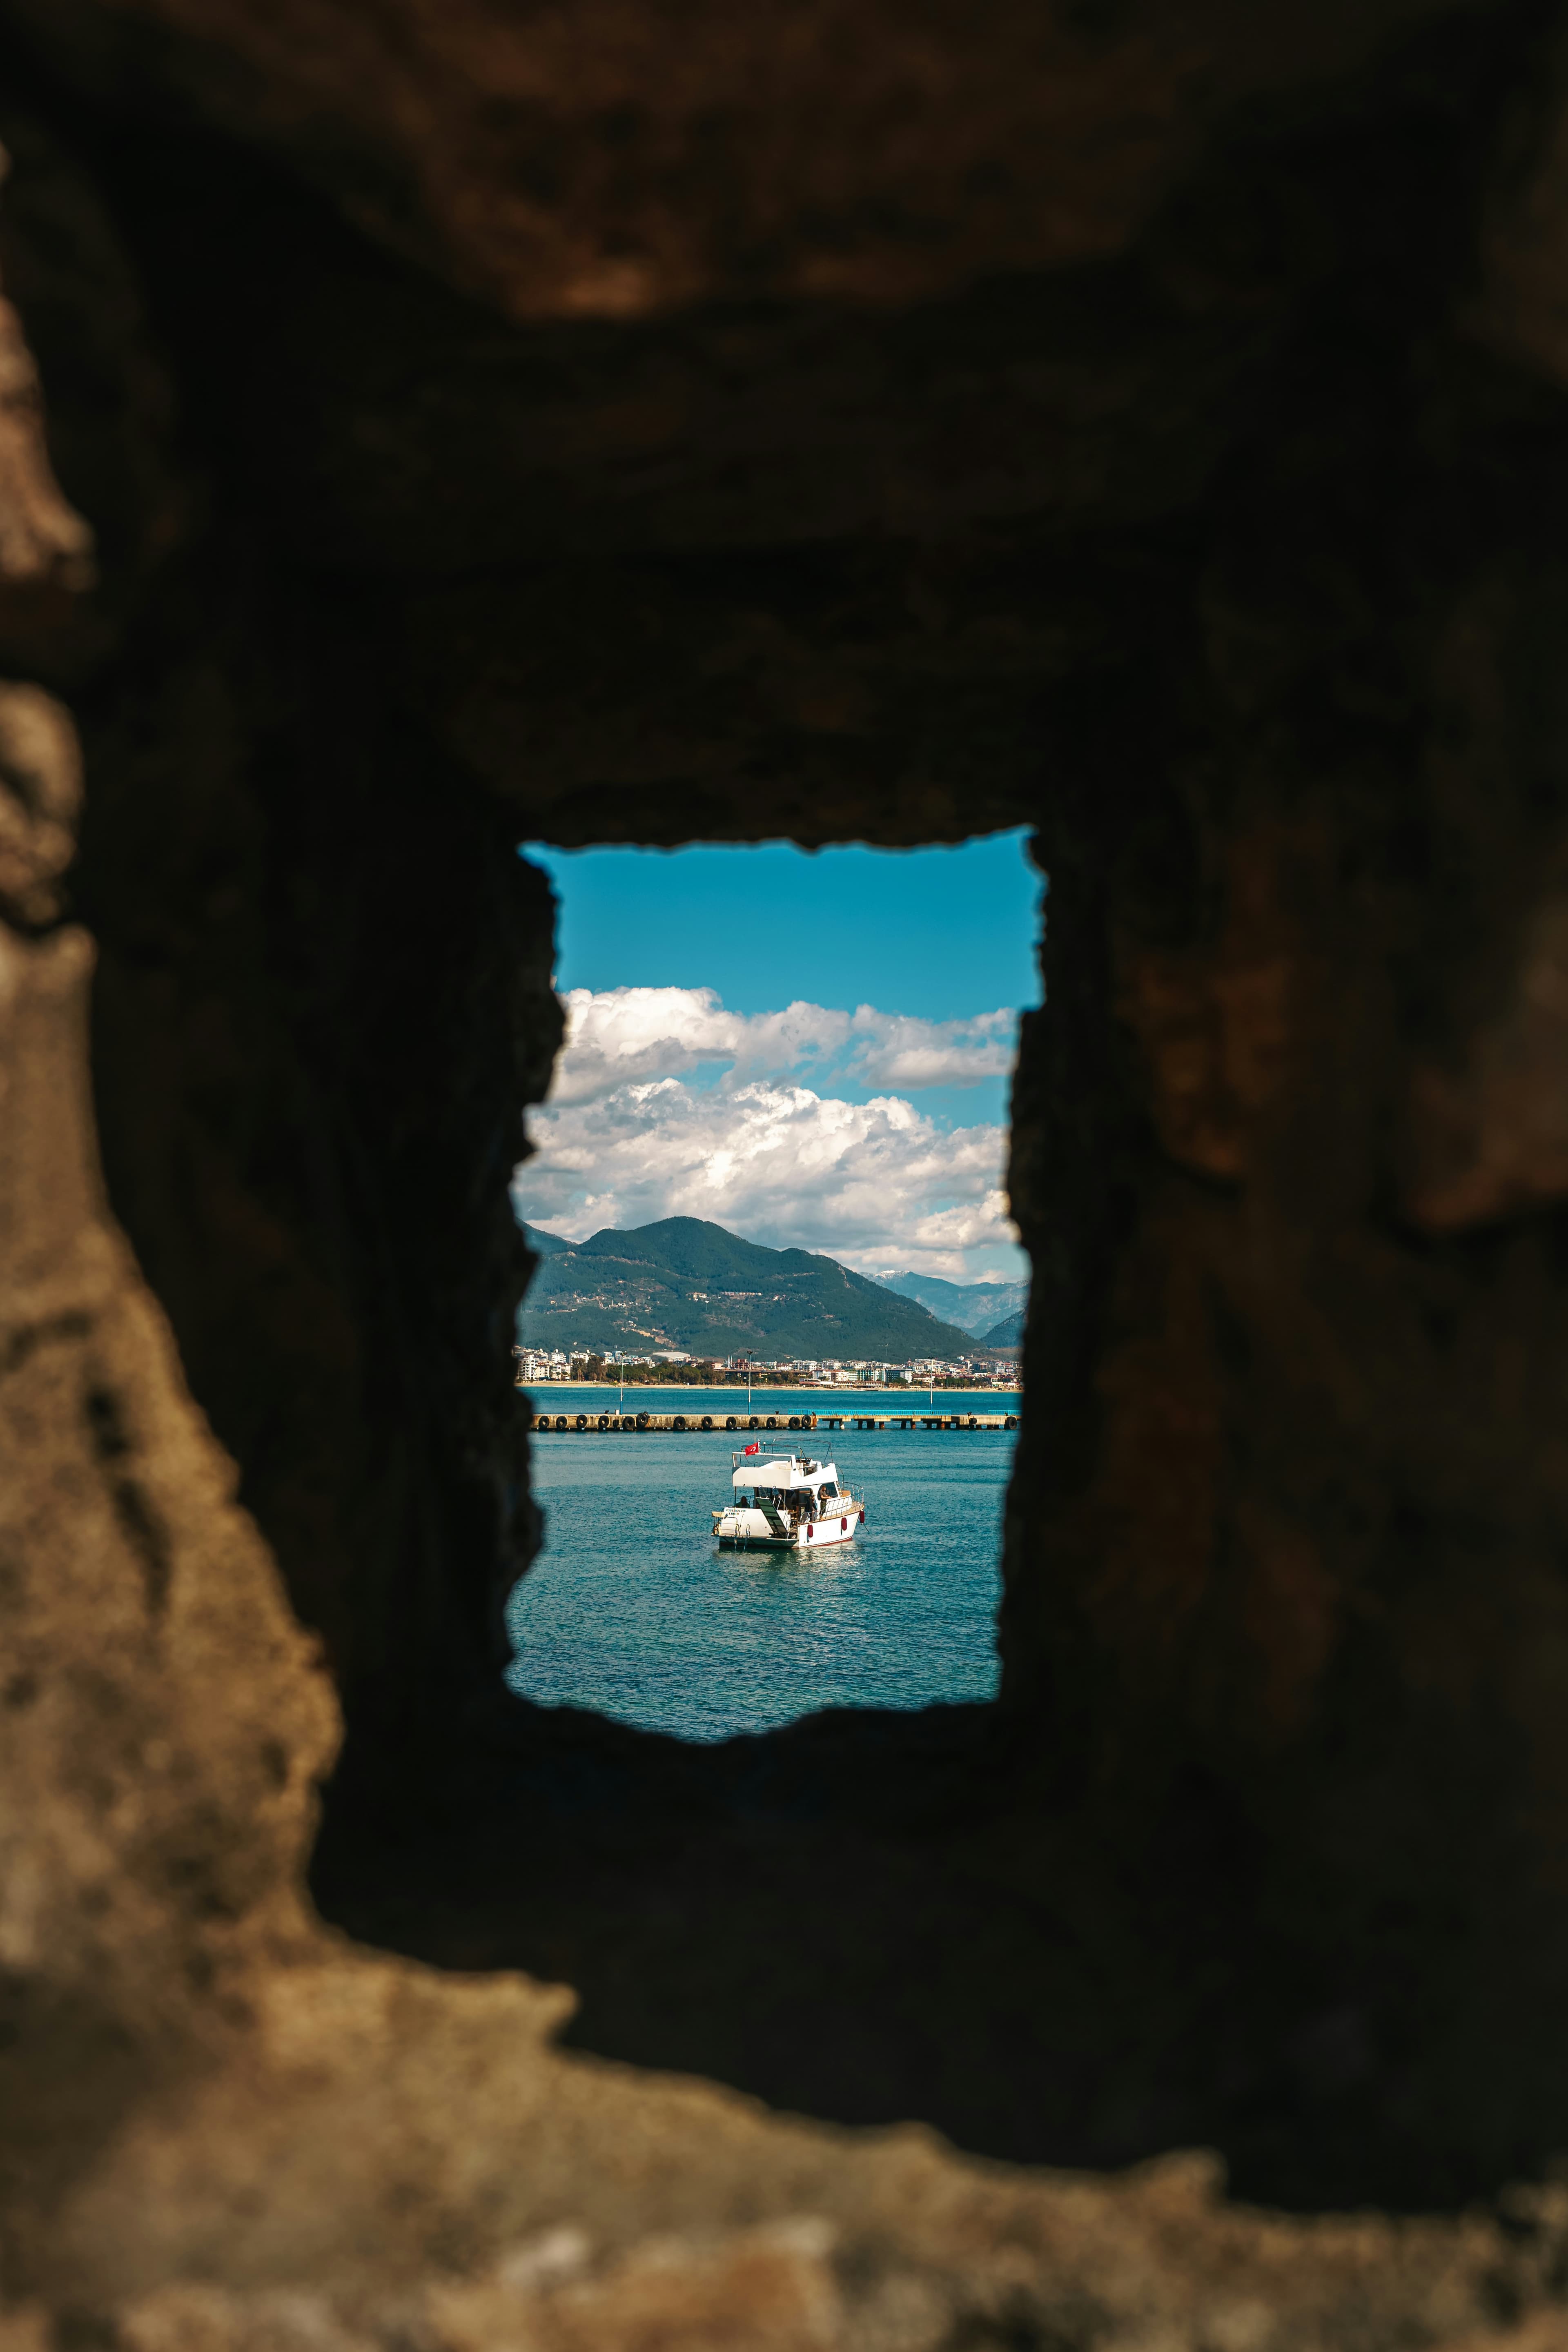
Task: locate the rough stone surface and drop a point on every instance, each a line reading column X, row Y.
column 1146, row 426
column 40, row 779
column 608, row 160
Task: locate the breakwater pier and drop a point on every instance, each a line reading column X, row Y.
column 750, row 1425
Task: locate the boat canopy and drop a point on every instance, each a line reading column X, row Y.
column 794, row 1473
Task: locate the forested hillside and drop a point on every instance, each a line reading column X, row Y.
column 685, row 1284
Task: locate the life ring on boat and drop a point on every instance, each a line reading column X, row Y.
column 582, row 1420
column 707, row 1420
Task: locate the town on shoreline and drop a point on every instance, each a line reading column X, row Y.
column 736, row 1374
column 846, row 1388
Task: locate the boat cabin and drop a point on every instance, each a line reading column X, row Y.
column 797, row 1473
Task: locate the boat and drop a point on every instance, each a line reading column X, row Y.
column 785, row 1503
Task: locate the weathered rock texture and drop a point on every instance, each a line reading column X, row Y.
column 466, row 425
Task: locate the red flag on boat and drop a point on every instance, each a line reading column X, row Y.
column 753, row 1447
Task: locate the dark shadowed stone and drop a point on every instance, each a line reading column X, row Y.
column 1144, row 425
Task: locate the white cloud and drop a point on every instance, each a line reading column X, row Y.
column 892, row 1049
column 625, row 1139
column 621, row 1034
column 874, row 1183
column 626, row 1033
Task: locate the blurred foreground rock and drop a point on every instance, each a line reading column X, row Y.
column 1143, row 424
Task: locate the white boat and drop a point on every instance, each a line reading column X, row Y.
column 786, row 1504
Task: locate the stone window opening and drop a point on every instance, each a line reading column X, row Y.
column 850, row 1062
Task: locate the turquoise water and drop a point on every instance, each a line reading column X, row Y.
column 631, row 1609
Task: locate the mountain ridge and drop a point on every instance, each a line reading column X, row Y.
column 684, row 1284
column 973, row 1306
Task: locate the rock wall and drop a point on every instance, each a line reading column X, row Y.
column 459, row 427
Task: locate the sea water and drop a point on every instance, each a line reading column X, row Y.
column 631, row 1608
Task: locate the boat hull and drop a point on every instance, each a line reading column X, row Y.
column 817, row 1534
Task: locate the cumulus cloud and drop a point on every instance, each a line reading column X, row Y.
column 617, row 1036
column 626, row 1138
column 626, row 1033
column 893, row 1050
column 876, row 1183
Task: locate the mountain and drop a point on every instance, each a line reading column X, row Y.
column 1008, row 1333
column 974, row 1306
column 686, row 1284
column 545, row 1245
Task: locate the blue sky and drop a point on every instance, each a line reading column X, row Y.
column 870, row 1122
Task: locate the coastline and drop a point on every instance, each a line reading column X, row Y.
column 767, row 1388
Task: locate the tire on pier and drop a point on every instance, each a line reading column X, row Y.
column 559, row 1420
column 794, row 1420
column 1010, row 1420
column 604, row 1421
column 707, row 1420
column 679, row 1421
column 773, row 1420
column 753, row 1422
column 730, row 1420
column 642, row 1421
